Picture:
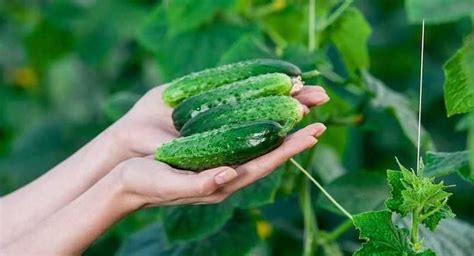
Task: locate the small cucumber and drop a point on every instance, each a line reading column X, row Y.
column 230, row 145
column 250, row 88
column 282, row 109
column 195, row 83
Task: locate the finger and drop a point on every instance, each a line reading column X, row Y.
column 205, row 183
column 312, row 96
column 264, row 165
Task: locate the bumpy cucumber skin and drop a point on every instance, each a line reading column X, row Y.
column 230, row 145
column 198, row 82
column 282, row 109
column 250, row 88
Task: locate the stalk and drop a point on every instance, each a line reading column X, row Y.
column 310, row 225
column 415, row 222
column 325, row 193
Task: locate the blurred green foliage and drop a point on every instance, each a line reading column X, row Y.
column 70, row 67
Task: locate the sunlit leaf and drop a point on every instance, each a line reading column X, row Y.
column 184, row 15
column 410, row 193
column 350, row 34
column 459, row 83
column 251, row 46
column 382, row 236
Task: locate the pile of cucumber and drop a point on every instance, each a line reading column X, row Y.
column 231, row 114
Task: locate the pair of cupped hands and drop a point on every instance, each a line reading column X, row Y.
column 149, row 124
column 67, row 208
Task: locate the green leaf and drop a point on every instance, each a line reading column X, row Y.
column 357, row 192
column 197, row 221
column 119, row 104
column 459, row 79
column 395, row 200
column 470, row 146
column 438, row 11
column 399, row 106
column 382, row 236
column 153, row 29
column 350, row 34
column 260, row 193
column 47, row 43
column 185, row 15
column 418, row 195
column 249, row 46
column 236, row 238
column 442, row 163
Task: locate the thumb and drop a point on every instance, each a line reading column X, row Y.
column 208, row 181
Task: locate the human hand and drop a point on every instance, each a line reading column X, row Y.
column 147, row 182
column 148, row 124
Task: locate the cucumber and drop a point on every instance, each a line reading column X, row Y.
column 195, row 83
column 230, row 145
column 282, row 109
column 250, row 88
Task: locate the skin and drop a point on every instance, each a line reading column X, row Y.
column 66, row 209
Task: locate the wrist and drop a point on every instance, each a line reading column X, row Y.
column 120, row 194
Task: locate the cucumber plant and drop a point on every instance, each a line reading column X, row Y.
column 330, row 34
column 368, row 69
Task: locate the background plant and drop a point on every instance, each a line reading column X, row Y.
column 73, row 66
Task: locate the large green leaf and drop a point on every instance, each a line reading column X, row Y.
column 260, row 193
column 470, row 142
column 350, row 34
column 382, row 236
column 184, row 15
column 250, row 46
column 235, row 239
column 396, row 103
column 438, row 11
column 197, row 221
column 357, row 192
column 198, row 49
column 459, row 75
column 443, row 163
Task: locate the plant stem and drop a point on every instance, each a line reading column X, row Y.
column 333, row 17
column 310, row 226
column 415, row 222
column 341, row 229
column 321, row 188
column 310, row 74
column 311, row 25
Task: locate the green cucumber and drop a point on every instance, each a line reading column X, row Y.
column 250, row 88
column 282, row 109
column 230, row 145
column 195, row 83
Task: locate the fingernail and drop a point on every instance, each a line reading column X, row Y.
column 321, row 130
column 321, row 98
column 225, row 176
